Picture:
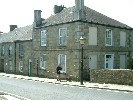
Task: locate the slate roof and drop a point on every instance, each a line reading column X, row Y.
column 92, row 16
column 22, row 33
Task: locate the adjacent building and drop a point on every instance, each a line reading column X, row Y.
column 16, row 49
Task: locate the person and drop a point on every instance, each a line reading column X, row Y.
column 58, row 69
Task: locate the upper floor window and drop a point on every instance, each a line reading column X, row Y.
column 43, row 38
column 62, row 36
column 122, row 38
column 10, row 50
column 43, row 61
column 2, row 51
column 108, row 37
column 62, row 61
column 92, row 35
column 21, row 50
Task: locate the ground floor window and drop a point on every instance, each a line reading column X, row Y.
column 10, row 65
column 62, row 61
column 21, row 66
column 43, row 61
column 122, row 61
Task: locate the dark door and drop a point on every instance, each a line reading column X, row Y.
column 2, row 65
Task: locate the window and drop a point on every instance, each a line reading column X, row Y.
column 62, row 61
column 108, row 37
column 122, row 61
column 43, row 38
column 92, row 35
column 21, row 50
column 62, row 36
column 2, row 51
column 21, row 66
column 43, row 62
column 122, row 39
column 10, row 65
column 10, row 50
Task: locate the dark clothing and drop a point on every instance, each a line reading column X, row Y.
column 58, row 69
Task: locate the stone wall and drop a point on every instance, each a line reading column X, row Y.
column 113, row 76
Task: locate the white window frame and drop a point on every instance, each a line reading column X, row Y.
column 62, row 61
column 108, row 37
column 43, row 61
column 21, row 66
column 62, row 36
column 43, row 38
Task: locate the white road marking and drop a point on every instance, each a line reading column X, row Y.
column 90, row 88
column 15, row 96
column 116, row 91
column 108, row 90
column 126, row 92
column 99, row 89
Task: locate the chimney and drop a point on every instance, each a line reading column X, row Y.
column 37, row 18
column 79, row 9
column 12, row 27
column 58, row 9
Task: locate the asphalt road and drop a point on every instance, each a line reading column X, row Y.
column 36, row 90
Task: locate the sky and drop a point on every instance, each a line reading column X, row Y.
column 21, row 12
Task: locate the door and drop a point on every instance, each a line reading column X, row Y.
column 2, row 65
column 93, row 61
column 30, row 64
column 109, row 61
column 122, row 61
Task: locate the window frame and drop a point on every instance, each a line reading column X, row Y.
column 2, row 50
column 43, row 61
column 21, row 65
column 43, row 38
column 109, row 37
column 10, row 65
column 123, row 43
column 61, row 58
column 21, row 50
column 10, row 50
column 62, row 39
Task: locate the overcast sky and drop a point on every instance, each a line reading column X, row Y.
column 21, row 12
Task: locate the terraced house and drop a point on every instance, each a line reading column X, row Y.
column 56, row 41
column 16, row 49
column 38, row 49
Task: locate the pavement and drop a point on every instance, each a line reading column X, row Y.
column 117, row 87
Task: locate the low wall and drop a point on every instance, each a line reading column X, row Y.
column 113, row 76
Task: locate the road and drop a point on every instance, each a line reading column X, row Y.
column 36, row 90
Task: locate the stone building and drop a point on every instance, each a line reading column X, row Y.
column 16, row 49
column 37, row 49
column 56, row 41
